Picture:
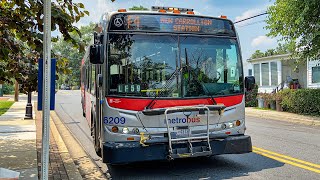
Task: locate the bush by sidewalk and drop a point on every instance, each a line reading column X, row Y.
column 301, row 101
column 8, row 89
column 251, row 97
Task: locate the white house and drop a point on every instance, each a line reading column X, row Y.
column 276, row 71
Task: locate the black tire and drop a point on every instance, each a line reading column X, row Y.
column 96, row 141
column 83, row 112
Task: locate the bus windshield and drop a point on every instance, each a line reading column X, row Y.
column 173, row 66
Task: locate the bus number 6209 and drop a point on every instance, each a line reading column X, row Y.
column 114, row 120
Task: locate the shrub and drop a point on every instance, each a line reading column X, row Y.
column 301, row 101
column 7, row 89
column 251, row 97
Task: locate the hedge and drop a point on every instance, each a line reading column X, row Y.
column 301, row 101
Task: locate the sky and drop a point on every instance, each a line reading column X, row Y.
column 252, row 33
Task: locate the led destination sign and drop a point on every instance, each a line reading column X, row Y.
column 186, row 24
column 170, row 23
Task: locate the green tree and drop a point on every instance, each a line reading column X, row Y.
column 282, row 48
column 138, row 8
column 23, row 21
column 21, row 36
column 296, row 21
column 72, row 56
column 257, row 54
column 285, row 48
column 270, row 52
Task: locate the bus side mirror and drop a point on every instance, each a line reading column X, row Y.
column 96, row 54
column 249, row 82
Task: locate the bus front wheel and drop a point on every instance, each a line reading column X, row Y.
column 83, row 111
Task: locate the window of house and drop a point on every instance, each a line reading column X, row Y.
column 256, row 70
column 250, row 72
column 316, row 74
column 265, row 74
column 274, row 74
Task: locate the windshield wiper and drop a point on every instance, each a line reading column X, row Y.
column 194, row 77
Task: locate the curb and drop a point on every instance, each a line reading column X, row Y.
column 72, row 170
column 284, row 119
column 87, row 168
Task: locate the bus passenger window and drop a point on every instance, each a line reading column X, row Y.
column 93, row 79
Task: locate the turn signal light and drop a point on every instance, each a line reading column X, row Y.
column 238, row 123
column 122, row 10
column 130, row 138
column 115, row 129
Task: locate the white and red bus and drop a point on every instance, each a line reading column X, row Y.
column 164, row 84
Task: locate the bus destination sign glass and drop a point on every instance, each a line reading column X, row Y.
column 171, row 23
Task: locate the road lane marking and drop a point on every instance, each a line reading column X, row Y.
column 287, row 162
column 287, row 159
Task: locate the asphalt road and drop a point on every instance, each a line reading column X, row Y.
column 281, row 151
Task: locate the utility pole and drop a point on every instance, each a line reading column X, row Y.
column 46, row 89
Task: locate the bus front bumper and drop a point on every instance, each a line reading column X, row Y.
column 128, row 152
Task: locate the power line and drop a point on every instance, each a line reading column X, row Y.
column 251, row 23
column 250, row 17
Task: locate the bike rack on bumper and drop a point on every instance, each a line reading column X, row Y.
column 172, row 147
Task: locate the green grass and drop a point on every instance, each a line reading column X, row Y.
column 4, row 106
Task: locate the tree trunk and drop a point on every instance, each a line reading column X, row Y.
column 16, row 91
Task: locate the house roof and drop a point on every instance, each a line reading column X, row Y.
column 280, row 56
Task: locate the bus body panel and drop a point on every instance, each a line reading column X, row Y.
column 157, row 123
column 117, row 149
column 125, row 113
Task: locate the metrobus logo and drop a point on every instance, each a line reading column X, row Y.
column 183, row 120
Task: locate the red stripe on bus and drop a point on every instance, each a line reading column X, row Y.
column 229, row 100
column 139, row 104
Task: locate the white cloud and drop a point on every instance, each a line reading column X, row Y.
column 262, row 41
column 247, row 14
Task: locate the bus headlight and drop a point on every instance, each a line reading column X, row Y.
column 125, row 130
column 229, row 125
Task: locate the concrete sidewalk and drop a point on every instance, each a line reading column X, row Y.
column 20, row 145
column 18, row 141
column 283, row 116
